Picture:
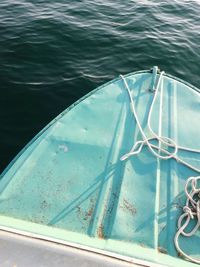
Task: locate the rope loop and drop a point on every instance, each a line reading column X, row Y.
column 160, row 147
column 156, row 149
column 191, row 211
column 188, row 211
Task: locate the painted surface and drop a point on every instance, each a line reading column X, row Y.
column 69, row 183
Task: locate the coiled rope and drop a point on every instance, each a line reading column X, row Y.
column 192, row 208
column 191, row 212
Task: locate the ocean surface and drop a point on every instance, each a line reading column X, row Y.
column 53, row 52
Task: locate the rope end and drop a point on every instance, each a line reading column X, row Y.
column 124, row 157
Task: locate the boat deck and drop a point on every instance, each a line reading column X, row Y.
column 69, row 183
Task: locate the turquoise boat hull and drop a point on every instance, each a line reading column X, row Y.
column 69, row 186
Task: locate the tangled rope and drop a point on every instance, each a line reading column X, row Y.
column 192, row 207
column 191, row 212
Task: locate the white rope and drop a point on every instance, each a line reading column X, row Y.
column 160, row 139
column 165, row 140
column 192, row 207
column 191, row 212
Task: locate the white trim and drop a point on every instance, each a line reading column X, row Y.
column 82, row 247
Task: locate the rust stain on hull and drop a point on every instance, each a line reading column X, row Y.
column 162, row 250
column 100, row 232
column 129, row 207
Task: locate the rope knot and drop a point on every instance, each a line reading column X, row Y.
column 188, row 211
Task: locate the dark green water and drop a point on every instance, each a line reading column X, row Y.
column 53, row 52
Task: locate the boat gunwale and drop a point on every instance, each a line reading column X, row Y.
column 84, row 248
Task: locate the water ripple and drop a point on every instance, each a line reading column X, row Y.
column 53, row 52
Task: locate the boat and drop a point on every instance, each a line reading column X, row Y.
column 112, row 181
